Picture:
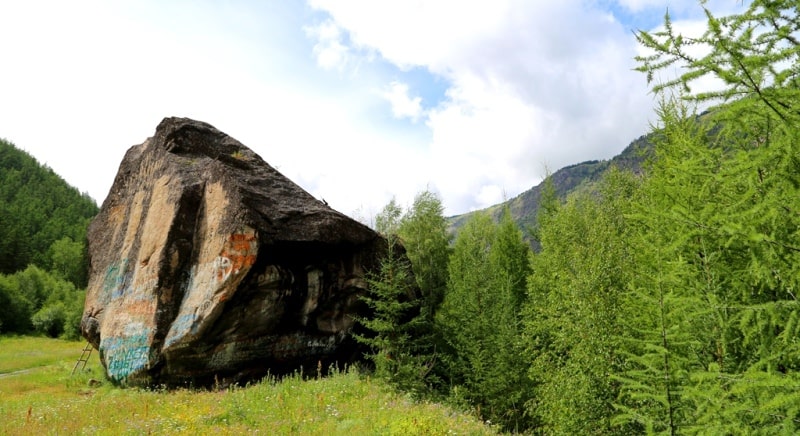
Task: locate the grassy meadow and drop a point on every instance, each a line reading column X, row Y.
column 39, row 396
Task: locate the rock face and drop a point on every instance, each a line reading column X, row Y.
column 207, row 265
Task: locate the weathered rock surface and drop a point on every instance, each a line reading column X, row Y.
column 208, row 265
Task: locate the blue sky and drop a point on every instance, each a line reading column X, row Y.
column 356, row 101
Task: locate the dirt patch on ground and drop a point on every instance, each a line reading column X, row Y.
column 18, row 372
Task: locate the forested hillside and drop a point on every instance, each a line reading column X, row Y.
column 659, row 302
column 40, row 214
column 524, row 208
column 43, row 224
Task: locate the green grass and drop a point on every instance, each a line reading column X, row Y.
column 47, row 400
column 24, row 353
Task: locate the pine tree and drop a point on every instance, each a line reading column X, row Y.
column 399, row 331
column 397, row 351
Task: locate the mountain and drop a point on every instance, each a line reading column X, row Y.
column 524, row 207
column 43, row 219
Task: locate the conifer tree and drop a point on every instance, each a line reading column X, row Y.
column 38, row 208
column 398, row 350
column 754, row 54
column 480, row 319
column 732, row 196
column 463, row 317
column 710, row 295
column 572, row 317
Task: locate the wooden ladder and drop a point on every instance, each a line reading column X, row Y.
column 87, row 352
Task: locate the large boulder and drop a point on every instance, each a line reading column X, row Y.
column 208, row 266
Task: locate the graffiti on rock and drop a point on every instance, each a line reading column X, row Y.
column 116, row 279
column 239, row 253
column 119, row 282
column 128, row 353
column 222, row 268
column 213, row 281
column 182, row 325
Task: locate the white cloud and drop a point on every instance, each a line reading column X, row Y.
column 90, row 80
column 416, row 33
column 491, row 194
column 530, row 83
column 640, row 5
column 330, row 51
column 487, row 133
column 403, row 106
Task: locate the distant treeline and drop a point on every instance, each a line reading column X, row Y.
column 43, row 224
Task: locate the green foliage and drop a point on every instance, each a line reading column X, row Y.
column 658, row 347
column 763, row 403
column 754, row 54
column 405, row 293
column 43, row 220
column 50, row 319
column 665, row 311
column 465, row 326
column 721, row 204
column 510, row 264
column 671, row 307
column 67, row 260
column 479, row 319
column 714, row 288
column 35, row 300
column 574, row 316
column 43, row 258
column 387, row 222
column 398, row 352
column 17, row 307
column 423, row 231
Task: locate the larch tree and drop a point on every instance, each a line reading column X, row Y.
column 733, row 204
column 572, row 316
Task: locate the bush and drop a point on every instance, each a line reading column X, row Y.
column 50, row 319
column 15, row 315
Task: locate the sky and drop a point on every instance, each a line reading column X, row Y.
column 358, row 102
